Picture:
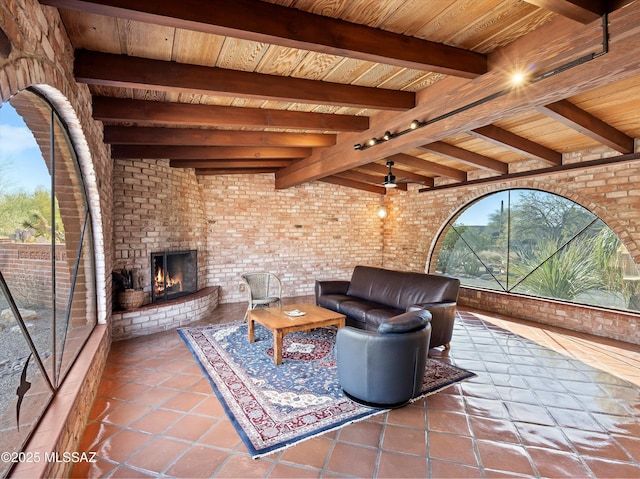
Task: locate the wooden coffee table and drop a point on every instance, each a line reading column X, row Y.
column 276, row 321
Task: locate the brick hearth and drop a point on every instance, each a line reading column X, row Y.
column 157, row 317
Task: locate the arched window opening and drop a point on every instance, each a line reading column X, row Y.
column 47, row 271
column 536, row 243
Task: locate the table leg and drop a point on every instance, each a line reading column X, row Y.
column 250, row 329
column 277, row 347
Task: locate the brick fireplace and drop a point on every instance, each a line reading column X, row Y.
column 173, row 274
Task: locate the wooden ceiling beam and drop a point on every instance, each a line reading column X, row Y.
column 335, row 180
column 461, row 107
column 430, row 166
column 234, row 171
column 465, row 156
column 290, row 27
column 578, row 166
column 132, row 135
column 570, row 115
column 119, row 152
column 230, row 164
column 108, row 109
column 108, row 69
column 583, row 11
column 501, row 137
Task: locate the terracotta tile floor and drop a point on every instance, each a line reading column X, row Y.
column 546, row 403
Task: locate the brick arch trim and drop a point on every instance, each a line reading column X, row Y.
column 24, row 73
column 589, row 205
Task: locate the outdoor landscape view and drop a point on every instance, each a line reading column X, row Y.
column 540, row 244
column 47, row 287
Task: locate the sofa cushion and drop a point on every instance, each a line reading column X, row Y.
column 399, row 289
column 332, row 301
column 357, row 309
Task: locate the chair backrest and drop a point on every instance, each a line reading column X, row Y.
column 262, row 284
column 384, row 367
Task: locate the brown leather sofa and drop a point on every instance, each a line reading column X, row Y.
column 373, row 295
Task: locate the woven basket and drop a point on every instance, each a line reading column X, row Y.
column 131, row 298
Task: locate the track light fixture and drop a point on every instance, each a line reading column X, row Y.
column 521, row 79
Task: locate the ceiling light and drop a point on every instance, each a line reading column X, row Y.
column 414, row 124
column 390, row 181
column 372, row 141
column 387, row 136
column 518, row 78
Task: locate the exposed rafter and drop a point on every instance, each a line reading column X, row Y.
column 245, row 84
column 206, row 152
column 505, row 138
column 223, row 164
column 131, row 135
column 108, row 109
column 542, row 171
column 570, row 115
column 106, row 69
column 289, row 27
column 543, row 50
column 465, row 156
column 233, row 171
column 335, row 180
column 583, row 11
column 430, row 166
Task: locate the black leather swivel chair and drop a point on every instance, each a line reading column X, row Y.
column 384, row 368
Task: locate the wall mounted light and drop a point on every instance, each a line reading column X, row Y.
column 382, row 212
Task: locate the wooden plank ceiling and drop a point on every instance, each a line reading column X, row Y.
column 290, row 86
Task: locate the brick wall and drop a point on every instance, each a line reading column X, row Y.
column 158, row 317
column 156, row 208
column 319, row 230
column 42, row 55
column 315, row 230
column 241, row 223
column 27, row 267
column 612, row 192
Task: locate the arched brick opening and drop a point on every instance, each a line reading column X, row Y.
column 589, row 204
column 38, row 121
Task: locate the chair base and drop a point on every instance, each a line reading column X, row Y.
column 376, row 405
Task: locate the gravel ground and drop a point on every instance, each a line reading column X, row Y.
column 14, row 351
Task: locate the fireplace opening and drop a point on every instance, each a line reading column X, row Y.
column 173, row 274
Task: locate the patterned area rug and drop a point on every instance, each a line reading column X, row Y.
column 273, row 407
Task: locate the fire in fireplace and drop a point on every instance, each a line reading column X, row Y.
column 173, row 274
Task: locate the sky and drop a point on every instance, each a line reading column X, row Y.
column 478, row 213
column 21, row 165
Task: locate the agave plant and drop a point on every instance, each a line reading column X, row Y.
column 561, row 274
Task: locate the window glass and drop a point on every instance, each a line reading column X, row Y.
column 48, row 303
column 539, row 244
